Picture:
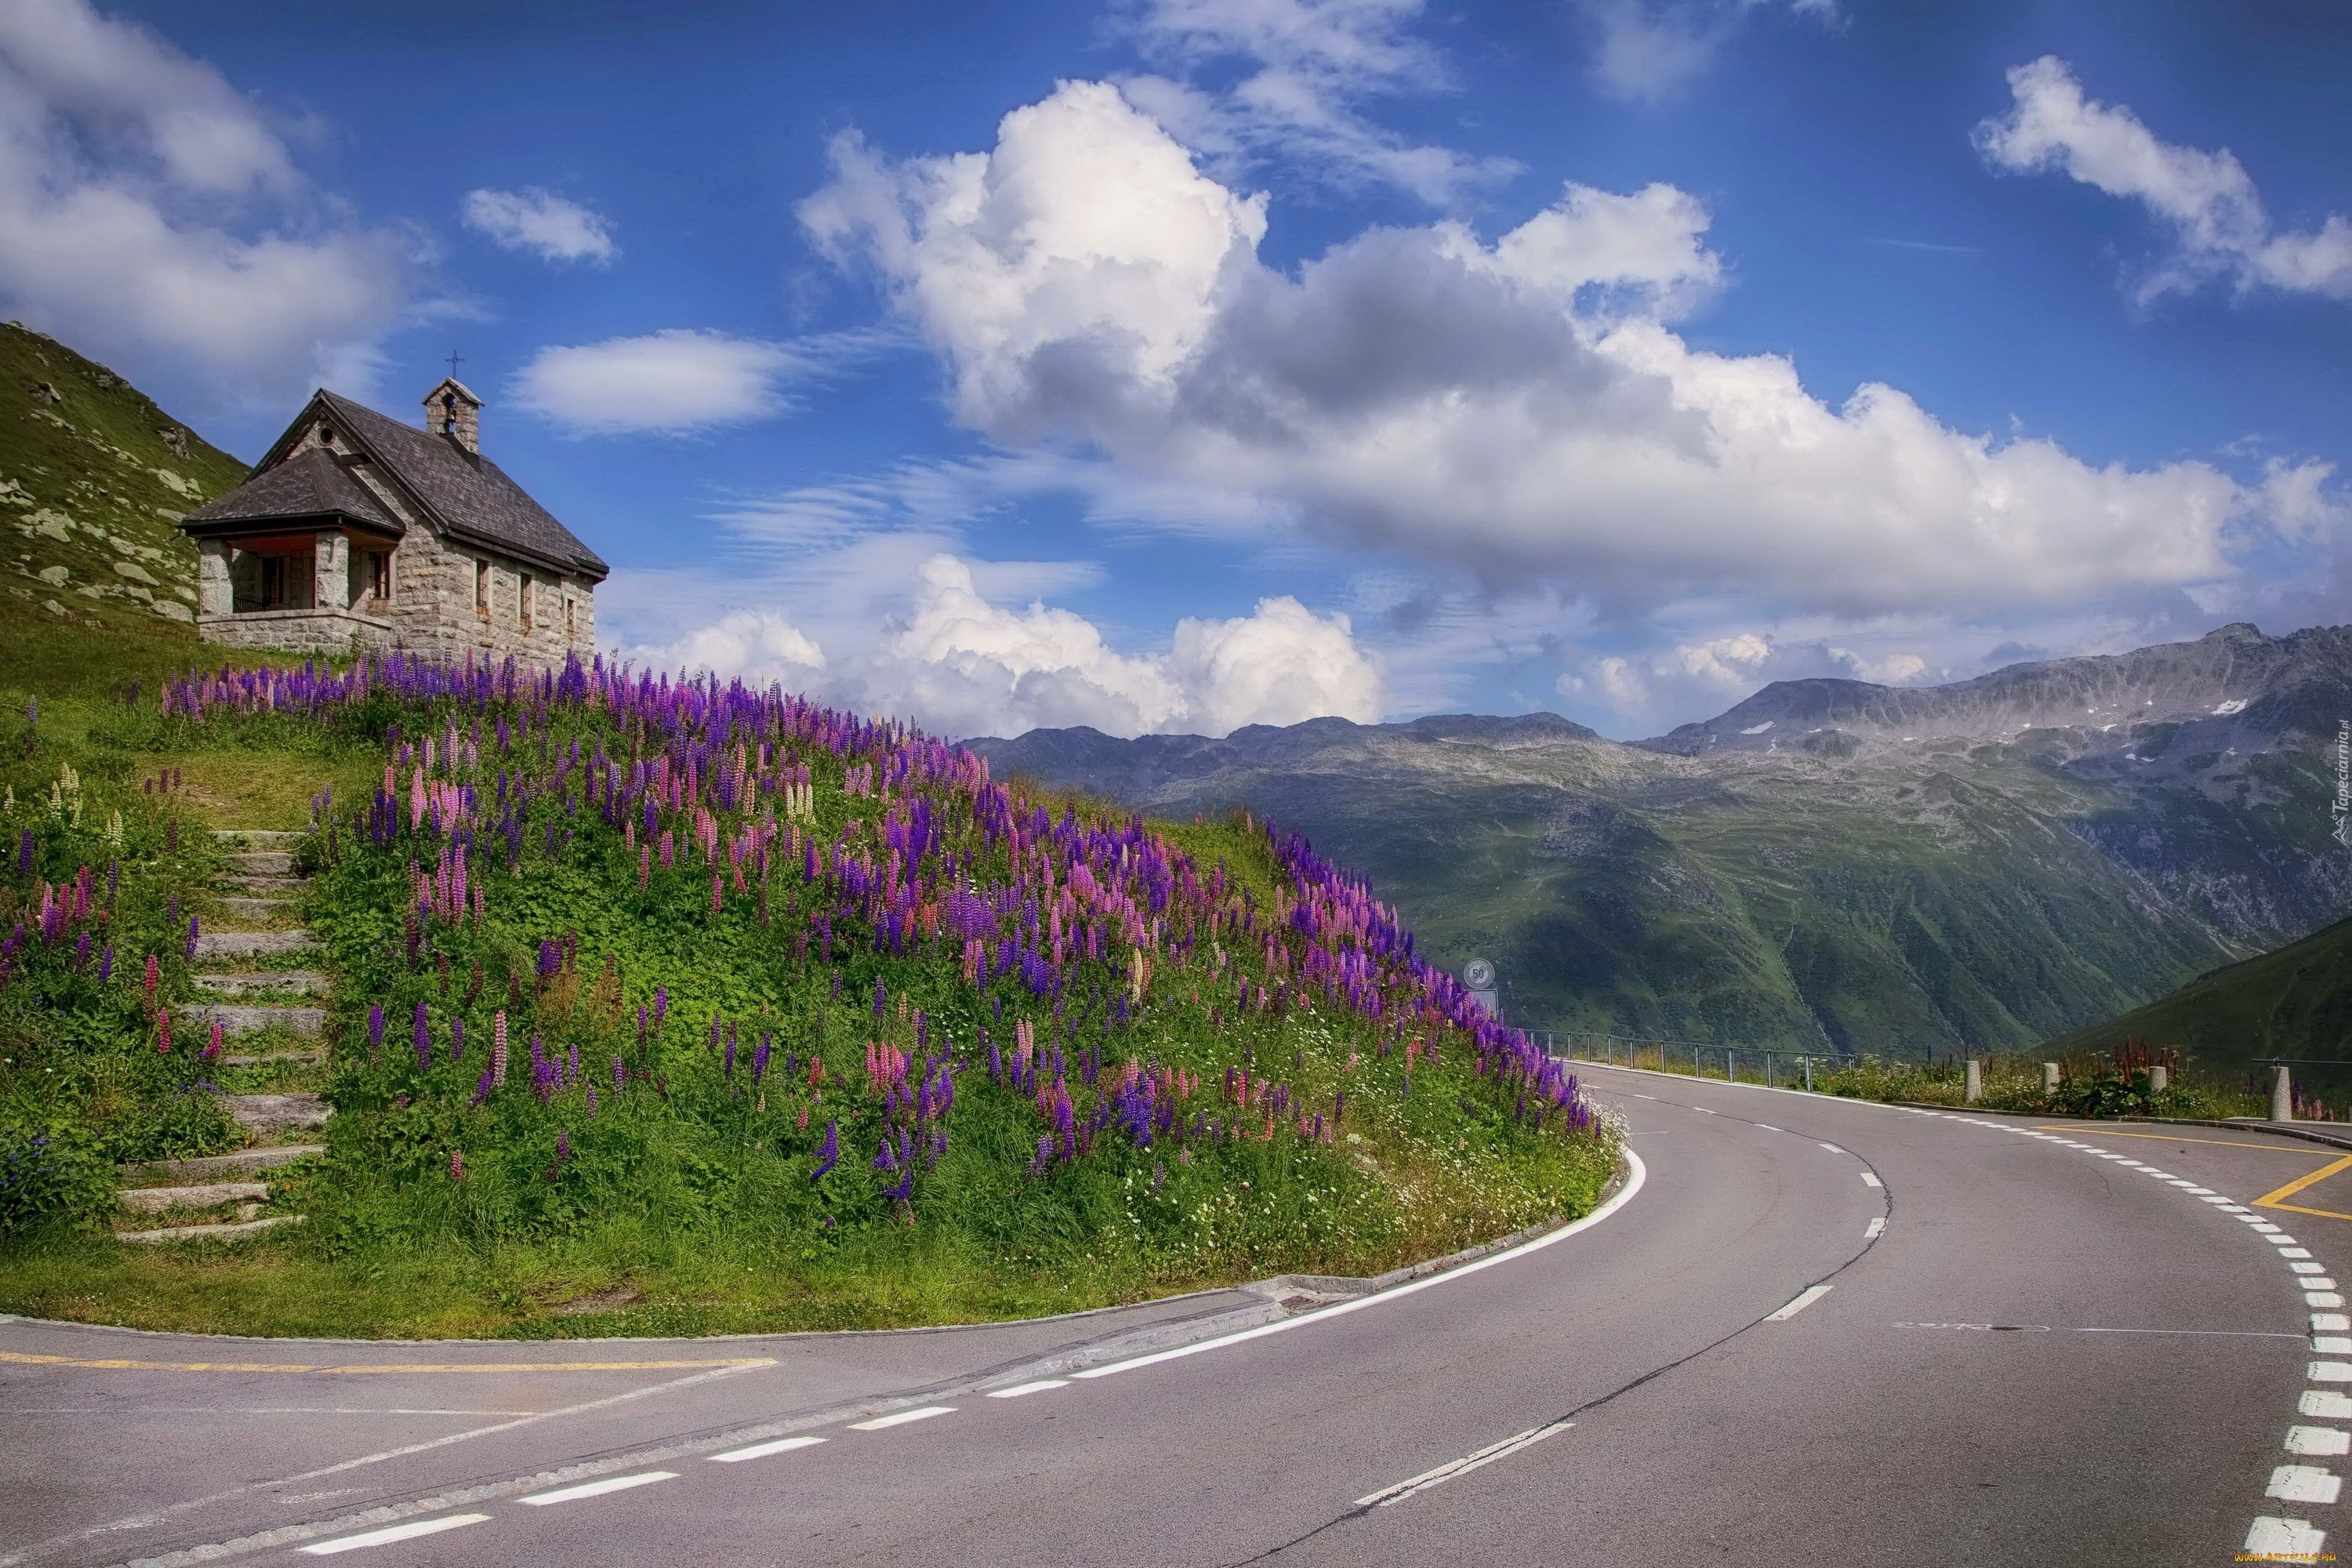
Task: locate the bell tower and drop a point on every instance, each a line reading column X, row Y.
column 452, row 411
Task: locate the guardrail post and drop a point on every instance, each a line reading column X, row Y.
column 1768, row 1059
column 2282, row 1095
column 1809, row 1071
column 1975, row 1080
column 2049, row 1077
column 2158, row 1077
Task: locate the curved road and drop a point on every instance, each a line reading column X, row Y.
column 2038, row 1342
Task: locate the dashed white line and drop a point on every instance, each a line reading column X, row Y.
column 900, row 1417
column 1877, row 1223
column 1464, row 1466
column 762, row 1450
column 1869, row 1180
column 597, row 1488
column 391, row 1533
column 1040, row 1386
column 1812, row 1293
column 2315, row 1442
column 1832, row 1148
column 1768, row 1127
column 2303, row 1483
column 2284, row 1541
column 2326, row 1404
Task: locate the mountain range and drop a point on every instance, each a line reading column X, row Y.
column 1905, row 871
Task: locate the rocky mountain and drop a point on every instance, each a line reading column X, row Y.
column 93, row 475
column 1982, row 864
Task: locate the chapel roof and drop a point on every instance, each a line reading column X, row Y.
column 314, row 485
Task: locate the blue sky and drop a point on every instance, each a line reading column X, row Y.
column 1183, row 363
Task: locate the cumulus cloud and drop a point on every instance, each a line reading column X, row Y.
column 150, row 212
column 667, row 383
column 1708, row 675
column 540, row 222
column 961, row 664
column 2208, row 198
column 1302, row 67
column 1649, row 49
column 1520, row 408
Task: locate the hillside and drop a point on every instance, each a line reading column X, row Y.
column 1847, row 866
column 656, row 1007
column 2295, row 1003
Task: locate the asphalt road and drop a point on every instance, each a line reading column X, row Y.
column 2038, row 1343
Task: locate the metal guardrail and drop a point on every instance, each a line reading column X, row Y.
column 1625, row 1050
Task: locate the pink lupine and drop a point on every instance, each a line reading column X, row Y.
column 164, row 1032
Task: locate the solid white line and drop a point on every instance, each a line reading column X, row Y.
column 1464, row 1466
column 1040, row 1386
column 1805, row 1297
column 900, row 1417
column 1640, row 1173
column 1877, row 1223
column 1871, row 1180
column 391, row 1533
column 762, row 1450
column 598, row 1489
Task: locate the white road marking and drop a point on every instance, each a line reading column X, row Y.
column 391, row 1533
column 1768, row 1127
column 1832, row 1148
column 1877, row 1223
column 1462, row 1466
column 1641, row 1174
column 2294, row 1252
column 1870, row 1181
column 900, row 1417
column 2303, row 1483
column 762, row 1450
column 2322, row 1299
column 2315, row 1441
column 1646, row 1097
column 2284, row 1541
column 2265, row 1227
column 1040, row 1386
column 597, row 1488
column 2331, row 1344
column 2326, row 1404
column 2330, row 1324
column 2328, row 1372
column 1812, row 1293
column 2303, row 1267
column 2315, row 1283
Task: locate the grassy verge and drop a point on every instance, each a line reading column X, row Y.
column 806, row 1023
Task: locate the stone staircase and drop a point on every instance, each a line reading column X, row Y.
column 277, row 1013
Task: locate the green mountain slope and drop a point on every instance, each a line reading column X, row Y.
column 2022, row 861
column 92, row 477
column 2295, row 1003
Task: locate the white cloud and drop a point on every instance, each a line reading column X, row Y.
column 542, row 222
column 151, row 213
column 1305, row 64
column 1650, row 49
column 1707, row 675
column 666, row 382
column 2208, row 198
column 958, row 664
column 1517, row 408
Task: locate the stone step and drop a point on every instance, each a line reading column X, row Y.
column 259, row 909
column 262, row 983
column 262, row 862
column 259, row 837
column 301, row 1058
column 206, row 1232
column 267, row 887
column 214, row 1165
column 250, row 943
column 275, row 1112
column 211, row 1194
column 242, row 1020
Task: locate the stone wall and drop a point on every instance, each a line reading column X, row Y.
column 296, row 631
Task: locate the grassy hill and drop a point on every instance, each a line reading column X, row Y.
column 663, row 1008
column 2295, row 1003
column 92, row 477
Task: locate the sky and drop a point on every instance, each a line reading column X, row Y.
column 1182, row 364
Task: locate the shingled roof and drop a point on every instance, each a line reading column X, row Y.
column 314, row 485
column 463, row 493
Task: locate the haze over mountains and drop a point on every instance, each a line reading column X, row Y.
column 1984, row 865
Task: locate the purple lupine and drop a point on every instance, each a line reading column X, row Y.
column 828, row 1153
column 106, row 963
column 572, row 1059
column 620, row 1074
column 661, row 1003
column 423, row 1039
column 24, row 853
column 760, row 1058
column 192, row 939
column 549, row 960
column 456, row 1038
column 375, row 1029
column 591, row 1102
column 483, row 1087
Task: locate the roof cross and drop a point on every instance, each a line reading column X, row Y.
column 455, row 359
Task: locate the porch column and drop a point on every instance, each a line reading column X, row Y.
column 332, row 555
column 215, row 595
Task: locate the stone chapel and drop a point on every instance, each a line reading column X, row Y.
column 357, row 531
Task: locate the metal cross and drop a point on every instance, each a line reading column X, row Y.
column 454, row 361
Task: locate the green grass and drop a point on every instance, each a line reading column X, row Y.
column 686, row 1203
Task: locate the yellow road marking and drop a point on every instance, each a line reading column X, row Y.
column 2274, row 1200
column 24, row 1358
column 2160, row 1137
